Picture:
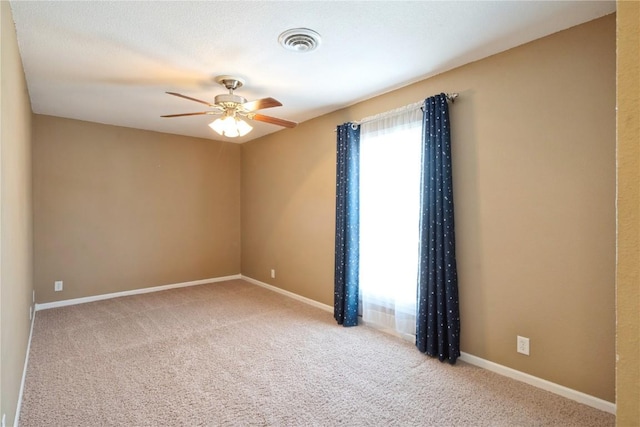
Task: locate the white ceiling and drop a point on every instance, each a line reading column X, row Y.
column 112, row 61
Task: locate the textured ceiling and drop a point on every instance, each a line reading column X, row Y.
column 111, row 62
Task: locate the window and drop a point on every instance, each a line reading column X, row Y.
column 390, row 156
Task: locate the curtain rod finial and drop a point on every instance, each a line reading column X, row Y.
column 452, row 97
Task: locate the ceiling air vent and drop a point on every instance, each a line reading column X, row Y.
column 299, row 40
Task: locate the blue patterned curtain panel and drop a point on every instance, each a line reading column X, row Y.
column 438, row 318
column 347, row 225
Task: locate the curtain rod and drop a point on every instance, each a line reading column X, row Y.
column 451, row 97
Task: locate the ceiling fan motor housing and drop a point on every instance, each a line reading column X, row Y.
column 230, row 100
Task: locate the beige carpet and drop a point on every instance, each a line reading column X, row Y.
column 234, row 354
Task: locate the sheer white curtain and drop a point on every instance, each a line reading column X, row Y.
column 390, row 155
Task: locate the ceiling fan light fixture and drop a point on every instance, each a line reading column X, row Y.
column 233, row 109
column 243, row 127
column 300, row 40
column 230, row 126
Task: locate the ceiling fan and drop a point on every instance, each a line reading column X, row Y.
column 233, row 108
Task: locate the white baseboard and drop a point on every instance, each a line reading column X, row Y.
column 83, row 300
column 16, row 419
column 558, row 389
column 305, row 300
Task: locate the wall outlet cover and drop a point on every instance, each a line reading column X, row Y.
column 523, row 345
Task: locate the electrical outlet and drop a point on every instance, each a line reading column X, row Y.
column 57, row 285
column 273, row 273
column 523, row 345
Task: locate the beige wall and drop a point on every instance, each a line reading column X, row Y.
column 628, row 270
column 16, row 253
column 534, row 174
column 118, row 209
column 288, row 209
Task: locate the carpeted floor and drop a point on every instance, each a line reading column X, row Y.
column 234, row 354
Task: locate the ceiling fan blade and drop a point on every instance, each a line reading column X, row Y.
column 191, row 99
column 272, row 120
column 190, row 114
column 260, row 104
